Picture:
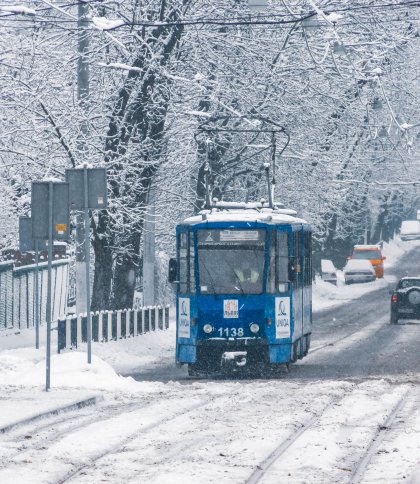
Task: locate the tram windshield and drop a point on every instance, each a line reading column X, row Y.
column 231, row 261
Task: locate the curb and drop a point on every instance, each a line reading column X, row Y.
column 65, row 408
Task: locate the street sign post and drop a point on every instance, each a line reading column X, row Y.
column 50, row 220
column 28, row 244
column 87, row 191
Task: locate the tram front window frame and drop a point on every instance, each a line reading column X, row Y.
column 242, row 252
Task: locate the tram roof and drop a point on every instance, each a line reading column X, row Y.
column 252, row 214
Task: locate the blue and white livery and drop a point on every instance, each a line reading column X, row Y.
column 244, row 277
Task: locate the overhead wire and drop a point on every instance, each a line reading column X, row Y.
column 259, row 19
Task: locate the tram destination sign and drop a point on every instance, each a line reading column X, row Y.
column 231, row 236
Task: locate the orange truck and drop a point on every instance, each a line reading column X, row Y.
column 372, row 253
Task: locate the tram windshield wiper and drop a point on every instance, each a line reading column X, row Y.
column 209, row 278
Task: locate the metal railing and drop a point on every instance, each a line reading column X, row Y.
column 111, row 325
column 17, row 295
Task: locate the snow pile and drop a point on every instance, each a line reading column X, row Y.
column 26, row 367
column 142, row 354
column 396, row 248
column 326, row 295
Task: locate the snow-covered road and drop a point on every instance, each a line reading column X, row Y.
column 230, row 431
column 349, row 412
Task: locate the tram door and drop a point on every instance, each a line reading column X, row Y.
column 297, row 285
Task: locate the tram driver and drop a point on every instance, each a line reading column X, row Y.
column 246, row 273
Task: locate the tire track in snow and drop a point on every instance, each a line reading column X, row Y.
column 74, row 450
column 390, row 438
column 364, row 331
column 355, row 428
column 265, row 465
column 58, row 425
column 358, row 472
column 215, row 443
column 124, row 442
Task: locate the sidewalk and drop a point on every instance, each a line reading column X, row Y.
column 74, row 384
column 37, row 404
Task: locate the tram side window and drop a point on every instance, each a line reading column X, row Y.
column 183, row 263
column 192, row 272
column 308, row 258
column 297, row 253
column 282, row 257
column 271, row 286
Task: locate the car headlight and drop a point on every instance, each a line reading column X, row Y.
column 207, row 328
column 254, row 328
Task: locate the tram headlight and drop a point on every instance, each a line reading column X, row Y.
column 254, row 327
column 207, row 328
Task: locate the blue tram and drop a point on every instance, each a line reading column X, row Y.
column 243, row 275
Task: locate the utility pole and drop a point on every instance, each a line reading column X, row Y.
column 149, row 252
column 82, row 97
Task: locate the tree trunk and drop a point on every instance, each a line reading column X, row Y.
column 103, row 265
column 139, row 119
column 124, row 280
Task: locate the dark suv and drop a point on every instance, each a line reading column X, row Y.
column 405, row 300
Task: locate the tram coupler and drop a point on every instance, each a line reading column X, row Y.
column 233, row 359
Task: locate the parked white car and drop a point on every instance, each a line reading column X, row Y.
column 359, row 270
column 410, row 230
column 328, row 271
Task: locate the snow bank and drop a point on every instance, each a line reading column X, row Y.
column 144, row 353
column 396, row 248
column 326, row 295
column 26, row 367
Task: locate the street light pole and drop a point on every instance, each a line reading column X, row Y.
column 49, row 286
column 87, row 263
column 81, row 265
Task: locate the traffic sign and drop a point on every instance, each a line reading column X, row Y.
column 97, row 192
column 60, row 210
column 26, row 241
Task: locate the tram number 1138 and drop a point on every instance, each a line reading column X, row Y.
column 231, row 332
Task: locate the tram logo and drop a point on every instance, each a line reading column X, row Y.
column 282, row 317
column 230, row 308
column 184, row 311
column 184, row 321
column 282, row 309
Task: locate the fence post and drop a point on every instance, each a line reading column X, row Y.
column 100, row 327
column 167, row 316
column 68, row 332
column 118, row 324
column 152, row 310
column 109, row 326
column 147, row 319
column 143, row 320
column 131, row 319
column 160, row 317
column 127, row 323
column 135, row 328
column 94, row 318
column 79, row 331
column 61, row 334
